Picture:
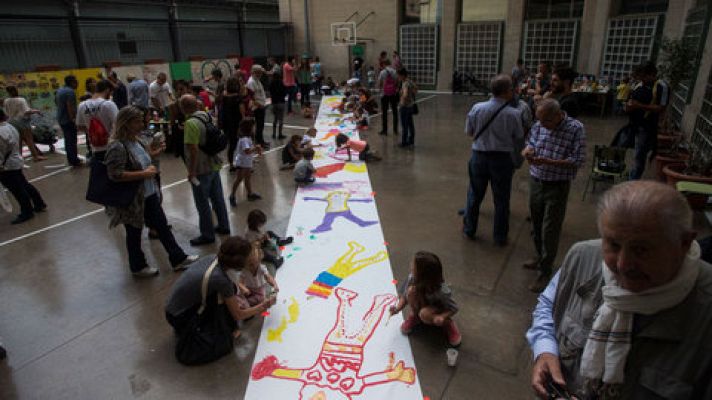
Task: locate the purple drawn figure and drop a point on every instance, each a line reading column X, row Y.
column 338, row 206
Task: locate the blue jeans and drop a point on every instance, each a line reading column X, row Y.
column 291, row 97
column 407, row 125
column 644, row 141
column 496, row 168
column 70, row 142
column 209, row 192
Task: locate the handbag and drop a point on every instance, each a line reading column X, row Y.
column 208, row 335
column 102, row 190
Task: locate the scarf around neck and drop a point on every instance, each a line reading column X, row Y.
column 609, row 341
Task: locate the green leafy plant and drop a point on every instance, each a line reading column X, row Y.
column 677, row 61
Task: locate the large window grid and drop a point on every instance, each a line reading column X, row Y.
column 418, row 51
column 696, row 27
column 478, row 49
column 630, row 41
column 702, row 134
column 549, row 41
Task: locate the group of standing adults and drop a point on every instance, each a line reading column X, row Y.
column 554, row 148
column 398, row 92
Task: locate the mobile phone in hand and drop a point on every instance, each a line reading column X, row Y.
column 557, row 391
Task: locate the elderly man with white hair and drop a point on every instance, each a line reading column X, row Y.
column 556, row 150
column 629, row 316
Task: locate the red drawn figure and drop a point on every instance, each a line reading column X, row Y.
column 336, row 374
column 332, row 133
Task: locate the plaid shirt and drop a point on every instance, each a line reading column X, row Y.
column 566, row 142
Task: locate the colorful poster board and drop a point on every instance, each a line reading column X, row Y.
column 39, row 87
column 330, row 335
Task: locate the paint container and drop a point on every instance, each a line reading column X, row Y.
column 452, row 357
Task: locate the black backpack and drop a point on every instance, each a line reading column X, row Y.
column 215, row 139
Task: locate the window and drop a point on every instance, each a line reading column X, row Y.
column 630, row 41
column 418, row 51
column 696, row 26
column 421, row 11
column 642, row 6
column 548, row 9
column 483, row 10
column 478, row 49
column 549, row 41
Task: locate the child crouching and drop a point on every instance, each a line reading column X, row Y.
column 429, row 297
column 252, row 280
column 304, row 170
column 364, row 151
column 269, row 241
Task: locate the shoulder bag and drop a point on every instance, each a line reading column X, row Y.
column 208, row 335
column 102, row 190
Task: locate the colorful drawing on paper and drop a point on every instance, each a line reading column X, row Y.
column 337, row 372
column 344, row 267
column 275, row 335
column 353, row 187
column 325, row 171
column 331, row 134
column 337, row 206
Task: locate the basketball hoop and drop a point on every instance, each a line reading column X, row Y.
column 343, row 33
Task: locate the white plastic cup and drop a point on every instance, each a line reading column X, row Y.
column 452, row 357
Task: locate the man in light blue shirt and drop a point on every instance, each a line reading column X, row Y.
column 495, row 127
column 138, row 91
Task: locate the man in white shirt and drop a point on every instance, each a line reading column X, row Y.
column 161, row 93
column 259, row 102
column 99, row 107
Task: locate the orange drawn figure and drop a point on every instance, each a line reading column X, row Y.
column 336, row 374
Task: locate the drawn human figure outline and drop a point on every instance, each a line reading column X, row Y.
column 337, row 370
column 342, row 268
column 338, row 206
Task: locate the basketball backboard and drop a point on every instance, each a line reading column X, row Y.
column 343, row 33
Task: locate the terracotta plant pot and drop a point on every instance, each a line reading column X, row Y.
column 674, row 173
column 661, row 160
column 665, row 141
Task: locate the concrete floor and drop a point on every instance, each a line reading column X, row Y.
column 78, row 326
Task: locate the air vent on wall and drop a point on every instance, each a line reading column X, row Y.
column 126, row 46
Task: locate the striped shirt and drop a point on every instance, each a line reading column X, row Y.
column 566, row 142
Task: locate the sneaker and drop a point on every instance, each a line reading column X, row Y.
column 183, row 265
column 278, row 262
column 540, row 283
column 281, row 137
column 233, row 201
column 285, row 241
column 253, row 196
column 22, row 218
column 200, row 240
column 453, row 334
column 532, row 263
column 3, row 353
column 40, row 208
column 410, row 323
column 146, row 272
column 222, row 231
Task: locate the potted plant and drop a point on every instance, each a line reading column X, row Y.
column 676, row 63
column 698, row 168
column 678, row 153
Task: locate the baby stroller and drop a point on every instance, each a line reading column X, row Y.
column 44, row 130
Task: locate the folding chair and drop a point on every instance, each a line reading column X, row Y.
column 608, row 166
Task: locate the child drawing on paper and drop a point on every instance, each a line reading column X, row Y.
column 361, row 146
column 268, row 241
column 337, row 205
column 342, row 268
column 429, row 297
column 308, row 138
column 253, row 279
column 337, row 373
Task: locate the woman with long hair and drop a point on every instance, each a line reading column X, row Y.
column 304, row 79
column 128, row 160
